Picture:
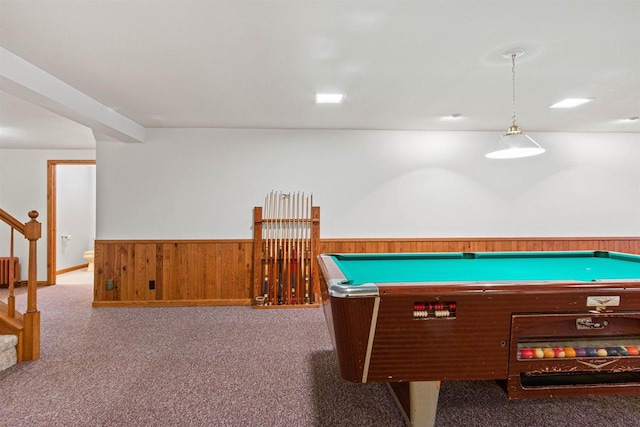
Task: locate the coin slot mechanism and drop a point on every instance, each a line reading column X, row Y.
column 434, row 310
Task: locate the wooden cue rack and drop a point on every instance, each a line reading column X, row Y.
column 285, row 273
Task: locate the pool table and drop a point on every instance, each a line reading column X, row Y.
column 544, row 324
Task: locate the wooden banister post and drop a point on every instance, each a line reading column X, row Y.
column 11, row 300
column 32, row 232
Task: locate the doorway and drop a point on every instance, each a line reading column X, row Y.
column 52, row 214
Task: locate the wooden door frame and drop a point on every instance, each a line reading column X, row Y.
column 52, row 214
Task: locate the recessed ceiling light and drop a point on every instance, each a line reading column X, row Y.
column 329, row 98
column 571, row 102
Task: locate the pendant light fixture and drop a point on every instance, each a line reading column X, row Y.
column 515, row 143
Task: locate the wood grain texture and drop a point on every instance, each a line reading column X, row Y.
column 354, row 315
column 475, row 344
column 185, row 272
column 223, row 270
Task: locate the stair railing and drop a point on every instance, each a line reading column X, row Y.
column 32, row 231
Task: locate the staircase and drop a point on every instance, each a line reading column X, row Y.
column 20, row 332
column 8, row 352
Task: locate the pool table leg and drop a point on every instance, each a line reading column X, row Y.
column 417, row 400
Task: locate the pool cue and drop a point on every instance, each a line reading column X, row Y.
column 285, row 255
column 274, row 245
column 293, row 250
column 289, row 245
column 276, row 231
column 300, row 245
column 265, row 257
column 290, row 248
column 287, row 263
column 285, row 252
column 299, row 291
column 295, row 254
column 307, row 231
column 280, row 241
column 272, row 254
column 312, row 296
column 299, row 249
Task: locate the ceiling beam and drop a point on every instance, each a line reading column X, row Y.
column 32, row 84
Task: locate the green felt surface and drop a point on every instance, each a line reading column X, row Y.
column 488, row 267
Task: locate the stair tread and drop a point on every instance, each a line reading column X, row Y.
column 8, row 357
column 7, row 342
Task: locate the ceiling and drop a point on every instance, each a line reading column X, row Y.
column 403, row 65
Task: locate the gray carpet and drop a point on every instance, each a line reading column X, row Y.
column 231, row 366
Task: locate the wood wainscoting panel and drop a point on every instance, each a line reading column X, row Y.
column 175, row 272
column 219, row 272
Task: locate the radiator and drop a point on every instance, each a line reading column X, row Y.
column 4, row 270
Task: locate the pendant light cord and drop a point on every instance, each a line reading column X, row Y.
column 513, row 73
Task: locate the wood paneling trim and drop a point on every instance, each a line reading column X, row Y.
column 171, row 303
column 170, row 241
column 618, row 244
column 190, row 272
column 456, row 239
column 73, row 268
column 52, row 212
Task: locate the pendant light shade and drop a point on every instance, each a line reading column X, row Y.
column 515, row 143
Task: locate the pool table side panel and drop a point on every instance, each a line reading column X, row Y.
column 351, row 326
column 469, row 347
column 473, row 346
column 328, row 271
column 349, row 322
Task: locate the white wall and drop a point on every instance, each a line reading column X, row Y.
column 23, row 187
column 76, row 213
column 203, row 183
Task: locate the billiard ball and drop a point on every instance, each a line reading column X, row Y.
column 591, row 352
column 612, row 351
column 538, row 353
column 548, row 352
column 632, row 350
column 601, row 352
column 581, row 352
column 569, row 352
column 622, row 351
column 526, row 353
column 559, row 352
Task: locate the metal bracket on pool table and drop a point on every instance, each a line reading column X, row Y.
column 417, row 400
column 345, row 289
